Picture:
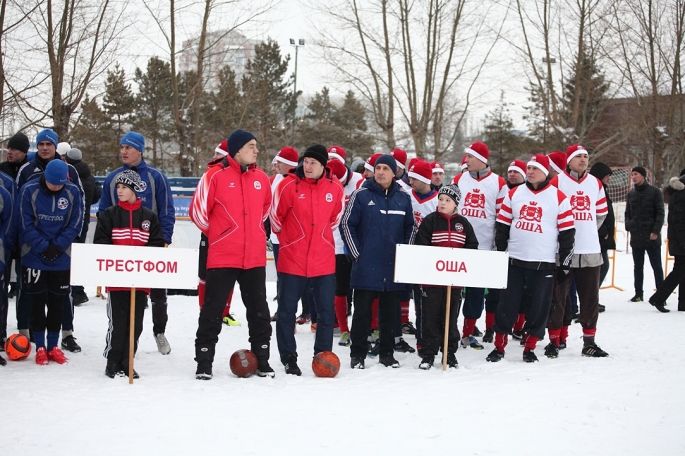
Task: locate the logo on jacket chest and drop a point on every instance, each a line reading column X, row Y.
column 580, row 204
column 530, row 217
column 62, row 203
column 145, row 226
column 474, row 203
column 329, row 197
column 257, row 185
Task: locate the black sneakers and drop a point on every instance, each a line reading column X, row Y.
column 593, row 351
column 636, row 298
column 426, row 362
column 204, row 371
column 78, row 297
column 69, row 344
column 495, row 356
column 403, row 347
column 389, row 361
column 113, row 369
column 356, row 363
column 265, row 370
column 551, row 351
column 291, row 366
column 452, row 361
column 529, row 356
column 489, row 335
column 408, row 328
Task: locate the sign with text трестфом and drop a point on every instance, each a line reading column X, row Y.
column 128, row 266
column 428, row 265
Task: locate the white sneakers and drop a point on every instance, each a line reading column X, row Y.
column 162, row 344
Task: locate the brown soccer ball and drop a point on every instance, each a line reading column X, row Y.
column 17, row 347
column 243, row 363
column 326, row 364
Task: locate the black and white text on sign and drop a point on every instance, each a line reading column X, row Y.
column 429, row 265
column 139, row 267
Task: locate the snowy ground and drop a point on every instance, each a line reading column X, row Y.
column 631, row 403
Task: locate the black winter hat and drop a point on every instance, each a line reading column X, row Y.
column 600, row 170
column 641, row 170
column 318, row 153
column 19, row 142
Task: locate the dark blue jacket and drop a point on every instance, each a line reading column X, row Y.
column 45, row 218
column 374, row 222
column 8, row 231
column 156, row 197
column 35, row 168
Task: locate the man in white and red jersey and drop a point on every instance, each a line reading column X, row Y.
column 534, row 218
column 400, row 156
column 424, row 201
column 306, row 209
column 350, row 181
column 516, row 175
column 230, row 205
column 482, row 196
column 438, row 177
column 589, row 206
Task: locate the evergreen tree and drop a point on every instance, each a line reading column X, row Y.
column 153, row 106
column 118, row 102
column 350, row 117
column 503, row 143
column 584, row 96
column 91, row 134
column 268, row 100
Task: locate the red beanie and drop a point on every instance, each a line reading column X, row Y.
column 337, row 152
column 371, row 162
column 541, row 162
column 479, row 150
column 519, row 166
column 557, row 161
column 287, row 155
column 337, row 168
column 422, row 171
column 437, row 168
column 400, row 157
column 573, row 151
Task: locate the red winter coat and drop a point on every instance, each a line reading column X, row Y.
column 304, row 214
column 230, row 206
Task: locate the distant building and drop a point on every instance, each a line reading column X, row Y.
column 223, row 48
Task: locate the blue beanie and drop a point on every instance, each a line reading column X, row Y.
column 57, row 172
column 237, row 140
column 387, row 160
column 47, row 135
column 133, row 139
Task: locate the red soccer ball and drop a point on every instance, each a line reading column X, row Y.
column 17, row 347
column 243, row 363
column 326, row 364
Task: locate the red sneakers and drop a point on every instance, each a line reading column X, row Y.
column 57, row 355
column 41, row 356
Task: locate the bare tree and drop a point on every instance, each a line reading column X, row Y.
column 78, row 37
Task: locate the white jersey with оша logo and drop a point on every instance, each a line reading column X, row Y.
column 480, row 201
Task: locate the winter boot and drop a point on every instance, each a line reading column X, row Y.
column 356, row 363
column 291, row 366
column 389, row 361
column 204, row 370
column 69, row 344
column 495, row 356
column 593, row 351
column 529, row 356
column 489, row 335
column 264, row 369
column 551, row 351
column 426, row 362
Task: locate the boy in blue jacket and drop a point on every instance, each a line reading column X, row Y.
column 50, row 218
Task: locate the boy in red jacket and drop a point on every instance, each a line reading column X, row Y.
column 127, row 223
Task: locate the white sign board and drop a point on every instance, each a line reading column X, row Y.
column 133, row 267
column 428, row 265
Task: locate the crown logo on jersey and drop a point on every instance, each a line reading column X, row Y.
column 533, row 203
column 476, row 190
column 579, row 192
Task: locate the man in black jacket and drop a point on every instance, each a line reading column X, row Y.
column 607, row 230
column 675, row 196
column 644, row 219
column 91, row 190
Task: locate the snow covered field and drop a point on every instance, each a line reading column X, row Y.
column 631, row 403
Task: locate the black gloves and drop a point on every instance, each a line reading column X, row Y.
column 51, row 253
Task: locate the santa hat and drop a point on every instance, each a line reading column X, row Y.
column 287, row 155
column 437, row 168
column 573, row 151
column 463, row 166
column 412, row 162
column 421, row 171
column 519, row 166
column 222, row 148
column 479, row 150
column 400, row 157
column 541, row 162
column 337, row 152
column 370, row 163
column 337, row 168
column 557, row 161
